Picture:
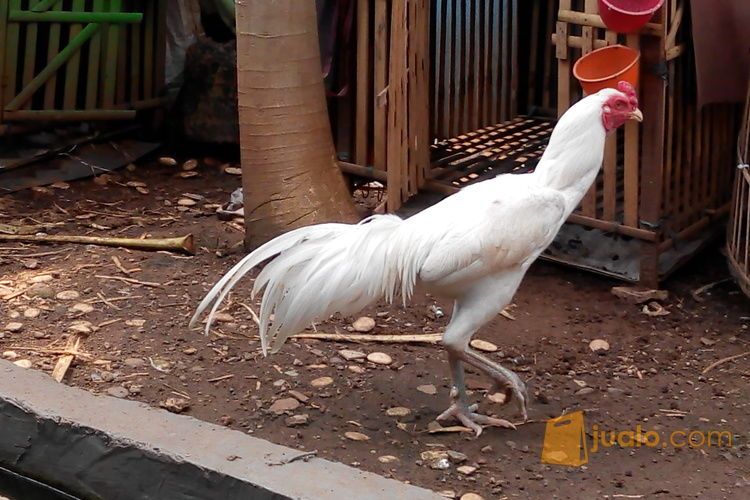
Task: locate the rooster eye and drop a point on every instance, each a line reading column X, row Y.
column 620, row 105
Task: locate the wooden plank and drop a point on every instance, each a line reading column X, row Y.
column 361, row 115
column 29, row 63
column 487, row 63
column 563, row 69
column 380, row 91
column 397, row 105
column 536, row 37
column 149, row 19
column 588, row 204
column 92, row 77
column 160, row 53
column 121, row 87
column 632, row 163
column 548, row 59
column 74, row 63
column 497, row 71
column 53, row 46
column 412, row 40
column 476, row 110
column 458, row 79
column 505, row 65
column 110, row 56
column 422, row 114
column 515, row 35
column 447, row 75
column 136, row 72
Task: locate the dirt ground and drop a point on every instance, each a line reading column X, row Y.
column 140, row 348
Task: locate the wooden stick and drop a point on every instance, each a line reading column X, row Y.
column 184, row 244
column 64, row 362
column 132, row 281
column 724, row 360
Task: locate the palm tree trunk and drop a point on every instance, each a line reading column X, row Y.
column 290, row 174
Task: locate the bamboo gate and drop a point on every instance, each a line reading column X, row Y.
column 451, row 92
column 79, row 60
column 738, row 241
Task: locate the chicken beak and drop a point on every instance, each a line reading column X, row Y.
column 636, row 115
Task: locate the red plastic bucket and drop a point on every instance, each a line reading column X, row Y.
column 605, row 67
column 627, row 16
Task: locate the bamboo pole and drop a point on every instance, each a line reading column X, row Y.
column 184, row 244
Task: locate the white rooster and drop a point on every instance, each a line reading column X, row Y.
column 473, row 247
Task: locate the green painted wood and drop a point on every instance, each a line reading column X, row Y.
column 92, row 78
column 73, row 46
column 148, row 53
column 44, row 5
column 11, row 61
column 112, row 45
column 27, row 16
column 53, row 47
column 136, row 79
column 29, row 53
column 72, row 69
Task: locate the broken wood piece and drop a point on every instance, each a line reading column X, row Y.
column 635, row 296
column 132, row 281
column 426, row 338
column 119, row 266
column 64, row 362
column 219, row 379
column 724, row 360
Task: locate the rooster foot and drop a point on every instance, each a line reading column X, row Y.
column 466, row 414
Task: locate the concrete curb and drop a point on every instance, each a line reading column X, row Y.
column 102, row 447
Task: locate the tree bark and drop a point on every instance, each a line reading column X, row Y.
column 290, row 175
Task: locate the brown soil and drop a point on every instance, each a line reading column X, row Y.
column 651, row 375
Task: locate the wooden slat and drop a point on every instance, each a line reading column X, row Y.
column 588, row 204
column 632, row 163
column 497, row 71
column 29, row 51
column 92, row 79
column 505, row 64
column 53, row 46
column 397, row 105
column 515, row 34
column 380, row 93
column 136, row 74
column 111, row 37
column 4, row 56
column 74, row 64
column 361, row 120
column 149, row 19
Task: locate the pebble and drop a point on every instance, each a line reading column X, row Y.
column 82, row 307
column 14, row 327
column 67, row 295
column 31, row 312
column 356, row 436
column 135, row 362
column 175, row 405
column 427, row 389
column 190, row 351
column 42, row 278
column 379, row 358
column 457, row 457
column 614, row 391
column 23, row 363
column 301, row 397
column 81, row 327
column 599, row 346
column 363, row 324
column 138, row 322
column 387, row 459
column 497, row 398
column 190, row 164
column 10, row 355
column 41, row 291
column 471, row 496
column 350, row 355
column 397, row 411
column 233, row 170
column 167, row 161
column 483, row 345
column 296, row 420
column 118, row 392
column 186, row 202
column 440, row 464
column 40, row 335
column 584, row 391
column 579, row 383
column 466, row 470
column 223, row 317
column 321, row 382
column 447, row 493
column 356, row 369
column 284, row 405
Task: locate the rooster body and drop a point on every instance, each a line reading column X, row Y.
column 473, row 247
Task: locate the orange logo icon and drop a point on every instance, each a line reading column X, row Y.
column 565, row 441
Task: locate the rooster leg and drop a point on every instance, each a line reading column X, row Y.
column 514, row 387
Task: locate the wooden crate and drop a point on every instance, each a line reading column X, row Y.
column 72, row 60
column 738, row 239
column 664, row 183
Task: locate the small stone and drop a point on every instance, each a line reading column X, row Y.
column 440, row 464
column 118, row 392
column 40, row 335
column 427, row 389
column 23, row 363
column 397, row 411
column 167, row 161
column 135, row 388
column 67, row 295
column 41, row 291
column 466, row 470
column 599, row 346
column 42, row 278
column 613, row 391
column 350, row 355
column 190, row 165
column 356, row 436
column 486, row 449
column 190, row 351
column 130, row 167
column 379, row 358
column 82, row 308
column 31, row 312
column 579, row 383
column 364, row 324
column 226, row 420
column 175, row 405
column 138, row 322
column 483, row 345
column 301, row 397
column 356, row 369
column 447, row 493
column 284, row 405
column 186, row 202
column 321, row 382
column 188, row 175
column 387, row 459
column 30, row 263
column 497, row 398
column 432, row 455
column 296, row 420
column 707, row 342
column 134, row 362
column 14, row 327
column 10, row 355
column 585, row 391
column 222, row 317
column 233, row 170
column 83, row 327
column 457, row 457
column 471, row 496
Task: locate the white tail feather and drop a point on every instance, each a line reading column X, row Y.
column 317, row 271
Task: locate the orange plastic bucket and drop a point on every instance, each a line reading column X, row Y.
column 605, row 67
column 627, row 16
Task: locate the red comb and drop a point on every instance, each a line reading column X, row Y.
column 627, row 89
